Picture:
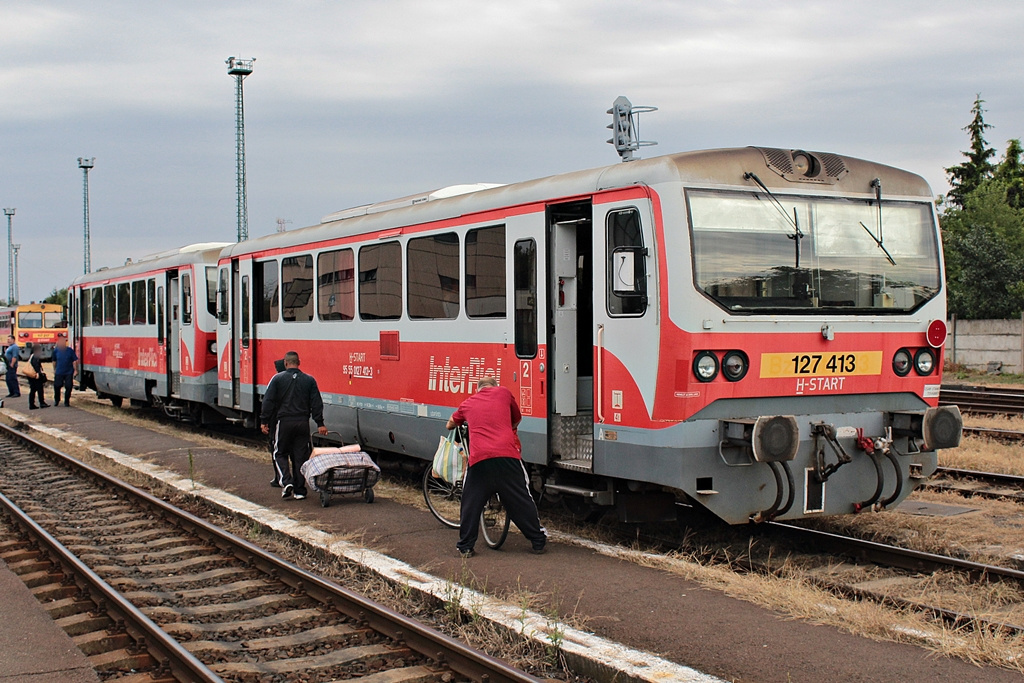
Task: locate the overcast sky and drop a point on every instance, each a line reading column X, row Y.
column 355, row 102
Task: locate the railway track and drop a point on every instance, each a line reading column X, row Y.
column 983, row 400
column 143, row 585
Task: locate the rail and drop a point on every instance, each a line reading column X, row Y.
column 435, row 646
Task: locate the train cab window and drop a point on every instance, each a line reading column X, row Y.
column 97, row 306
column 244, row 305
column 433, row 272
column 380, row 281
column 109, row 305
column 269, row 300
column 124, row 303
column 186, row 299
column 627, row 272
column 222, row 297
column 336, row 285
column 297, row 283
column 53, row 320
column 151, row 301
column 485, row 272
column 211, row 290
column 139, row 302
column 160, row 315
column 525, row 281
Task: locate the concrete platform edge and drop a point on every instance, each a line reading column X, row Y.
column 585, row 653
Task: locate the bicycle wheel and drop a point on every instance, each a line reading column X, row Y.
column 494, row 522
column 443, row 499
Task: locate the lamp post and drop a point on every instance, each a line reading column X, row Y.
column 17, row 284
column 10, row 257
column 85, row 165
column 239, row 69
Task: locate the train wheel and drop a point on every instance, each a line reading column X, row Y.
column 582, row 510
column 116, row 401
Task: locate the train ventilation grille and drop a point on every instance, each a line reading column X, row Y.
column 799, row 166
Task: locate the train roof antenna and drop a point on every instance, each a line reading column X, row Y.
column 625, row 127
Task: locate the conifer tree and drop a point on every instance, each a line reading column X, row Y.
column 967, row 176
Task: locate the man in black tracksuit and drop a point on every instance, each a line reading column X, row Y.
column 292, row 399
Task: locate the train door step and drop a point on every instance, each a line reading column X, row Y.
column 600, row 497
column 575, row 464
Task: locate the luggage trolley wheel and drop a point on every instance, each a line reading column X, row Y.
column 368, row 495
column 325, row 499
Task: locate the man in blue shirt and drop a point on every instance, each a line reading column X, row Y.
column 65, row 361
column 11, row 358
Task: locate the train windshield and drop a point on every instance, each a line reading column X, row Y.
column 30, row 320
column 53, row 320
column 808, row 254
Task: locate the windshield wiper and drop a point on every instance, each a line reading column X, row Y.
column 797, row 234
column 879, row 240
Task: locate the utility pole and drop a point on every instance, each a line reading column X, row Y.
column 17, row 285
column 10, row 257
column 239, row 69
column 85, row 165
column 281, row 222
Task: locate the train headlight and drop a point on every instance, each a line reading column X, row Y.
column 901, row 362
column 213, row 348
column 705, row 366
column 924, row 362
column 734, row 366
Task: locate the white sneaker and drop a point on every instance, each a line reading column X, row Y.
column 287, row 492
column 299, row 496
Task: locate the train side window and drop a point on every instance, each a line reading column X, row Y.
column 160, row 315
column 151, row 301
column 139, row 302
column 433, row 272
column 222, row 297
column 211, row 290
column 525, row 281
column 267, row 283
column 485, row 272
column 97, row 306
column 297, row 284
column 109, row 305
column 245, row 309
column 186, row 299
column 380, row 281
column 84, row 307
column 336, row 285
column 627, row 272
column 124, row 303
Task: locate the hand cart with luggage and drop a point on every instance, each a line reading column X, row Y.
column 341, row 470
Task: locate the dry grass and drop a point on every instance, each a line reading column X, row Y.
column 987, row 455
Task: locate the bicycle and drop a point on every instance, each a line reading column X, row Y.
column 444, row 500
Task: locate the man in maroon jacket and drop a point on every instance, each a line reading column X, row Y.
column 495, row 465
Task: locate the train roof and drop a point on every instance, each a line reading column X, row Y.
column 774, row 167
column 203, row 252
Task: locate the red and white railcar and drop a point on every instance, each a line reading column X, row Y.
column 759, row 330
column 146, row 330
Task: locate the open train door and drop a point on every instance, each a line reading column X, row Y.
column 173, row 335
column 570, row 278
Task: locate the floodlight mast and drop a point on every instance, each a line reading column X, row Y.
column 239, row 69
column 625, row 128
column 10, row 258
column 86, row 165
column 17, row 287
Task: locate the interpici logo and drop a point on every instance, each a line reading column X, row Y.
column 457, row 379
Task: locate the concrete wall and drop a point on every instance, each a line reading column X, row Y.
column 976, row 343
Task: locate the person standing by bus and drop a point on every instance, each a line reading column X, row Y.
column 65, row 364
column 36, row 384
column 293, row 397
column 495, row 465
column 11, row 358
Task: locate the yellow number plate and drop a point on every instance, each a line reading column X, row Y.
column 821, row 364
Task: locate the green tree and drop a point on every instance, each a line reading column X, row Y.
column 1011, row 171
column 968, row 175
column 57, row 296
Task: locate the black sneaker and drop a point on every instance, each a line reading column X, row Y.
column 276, row 484
column 287, row 493
column 539, row 551
column 299, row 496
column 44, row 405
column 33, row 407
column 467, row 553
